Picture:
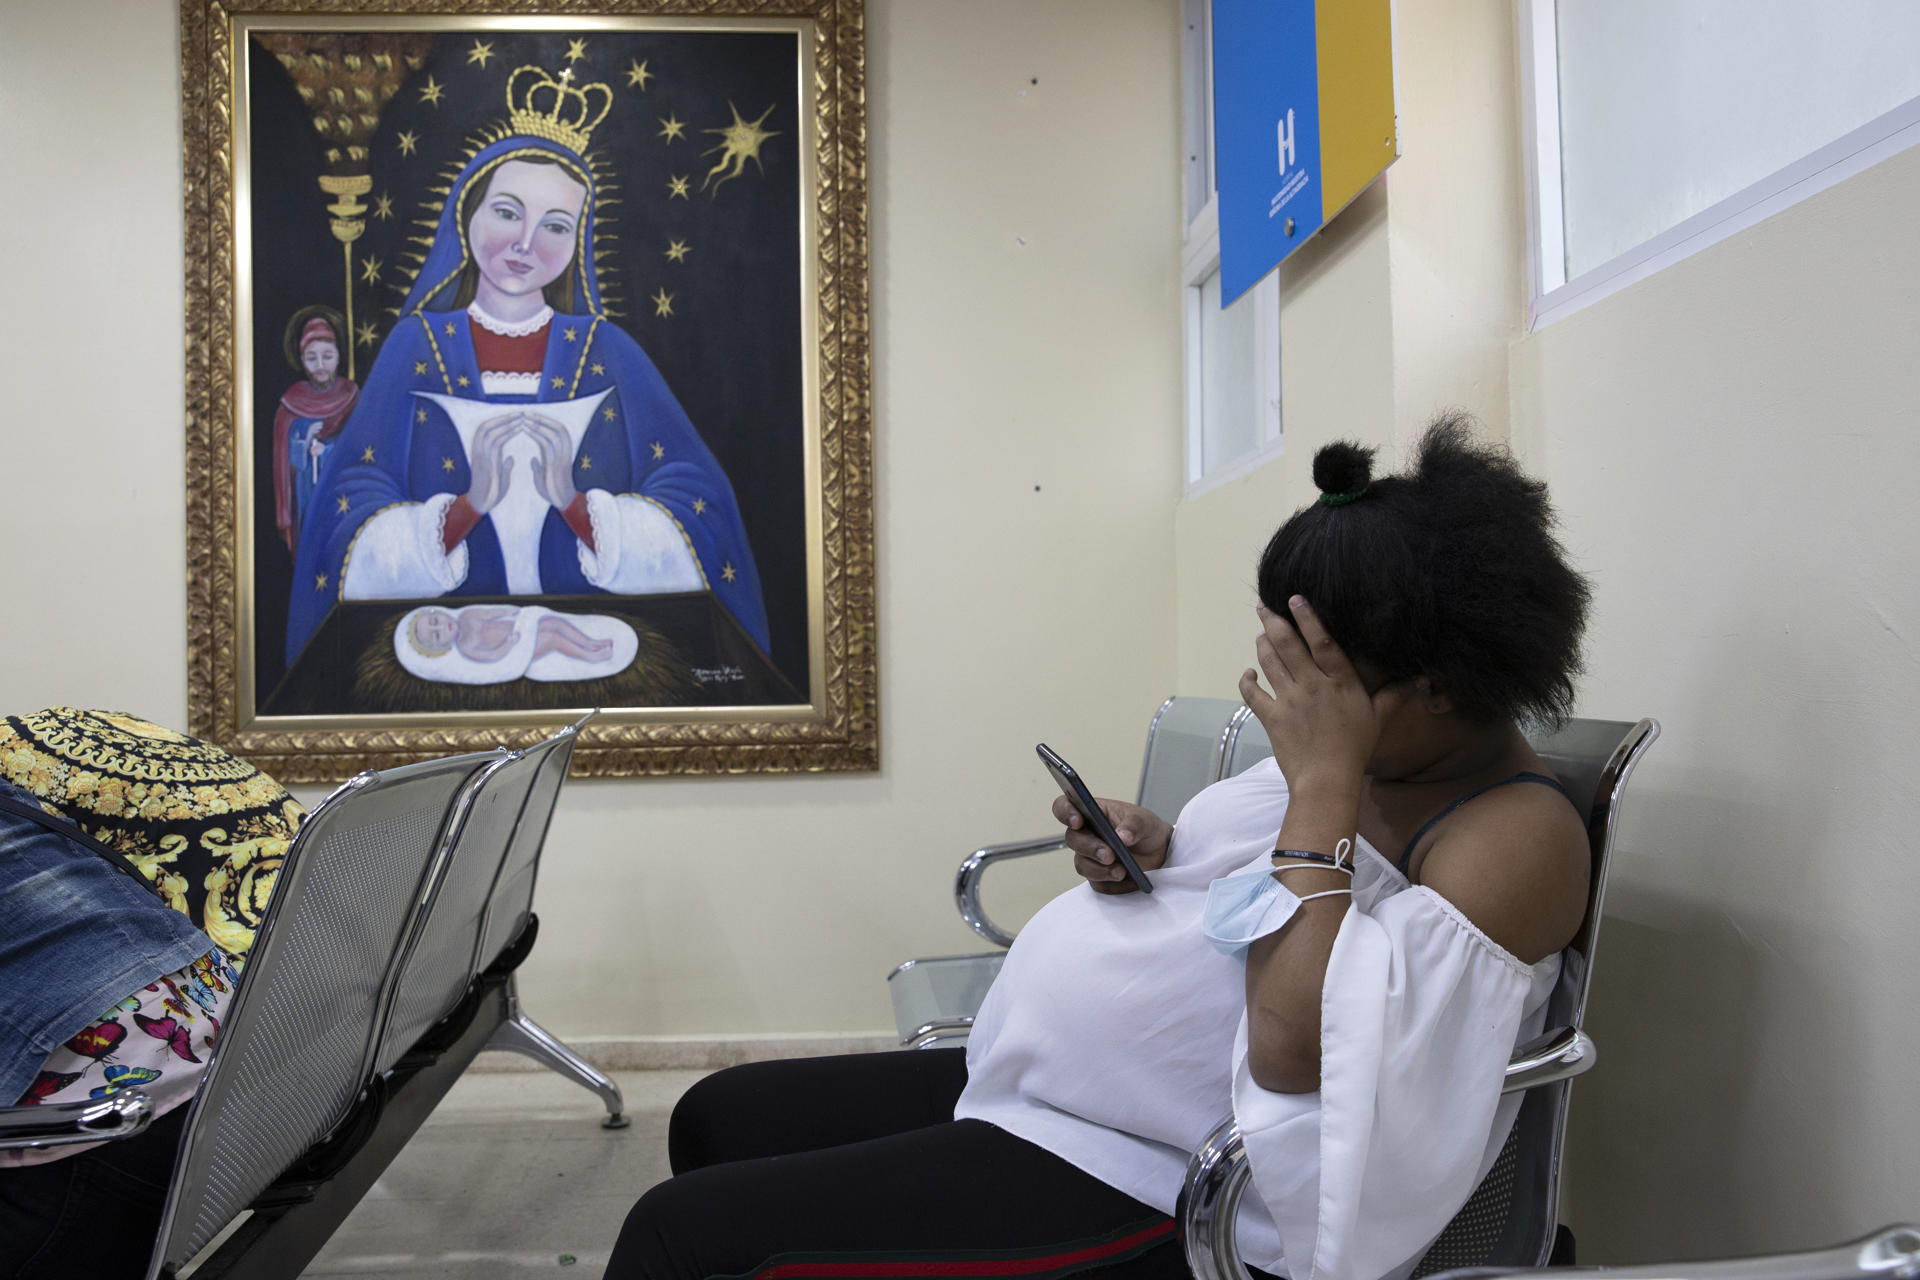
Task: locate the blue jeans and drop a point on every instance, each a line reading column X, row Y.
column 78, row 931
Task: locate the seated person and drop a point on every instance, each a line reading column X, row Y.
column 1344, row 945
column 123, row 848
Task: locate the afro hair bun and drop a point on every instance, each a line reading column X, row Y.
column 1342, row 467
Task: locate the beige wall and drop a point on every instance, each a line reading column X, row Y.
column 1026, row 373
column 1733, row 444
column 1403, row 306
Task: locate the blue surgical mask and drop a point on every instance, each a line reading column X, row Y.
column 1245, row 908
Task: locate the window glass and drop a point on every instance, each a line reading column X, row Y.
column 1229, row 428
column 1669, row 106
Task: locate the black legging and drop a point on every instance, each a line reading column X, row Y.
column 854, row 1167
column 93, row 1214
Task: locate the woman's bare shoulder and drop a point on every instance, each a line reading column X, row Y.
column 1515, row 862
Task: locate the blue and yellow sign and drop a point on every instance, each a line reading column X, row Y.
column 1302, row 122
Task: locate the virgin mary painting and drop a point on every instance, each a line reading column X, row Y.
column 510, row 439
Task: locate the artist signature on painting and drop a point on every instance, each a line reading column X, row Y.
column 719, row 675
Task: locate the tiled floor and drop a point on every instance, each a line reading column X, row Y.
column 511, row 1177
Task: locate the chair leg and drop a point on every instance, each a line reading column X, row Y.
column 521, row 1034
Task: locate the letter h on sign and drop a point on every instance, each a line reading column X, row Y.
column 1284, row 128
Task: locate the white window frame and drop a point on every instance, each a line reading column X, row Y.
column 1199, row 260
column 1551, row 295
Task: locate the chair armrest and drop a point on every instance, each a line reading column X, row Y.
column 60, row 1124
column 931, row 1035
column 1218, row 1173
column 1891, row 1253
column 1560, row 1054
column 966, row 884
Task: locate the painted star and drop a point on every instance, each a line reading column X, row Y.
column 408, row 141
column 343, row 502
column 558, row 383
column 662, row 303
column 699, row 506
column 462, row 381
column 671, row 128
column 449, row 328
column 677, row 250
column 446, row 464
column 319, row 582
column 728, row 572
column 599, row 370
column 366, row 335
column 370, row 270
column 366, row 454
column 419, row 367
column 677, row 187
column 480, row 53
column 607, row 413
column 419, row 415
column 432, row 92
column 739, row 143
column 571, row 334
column 638, row 75
column 586, row 463
column 659, row 451
column 576, row 50
column 383, row 206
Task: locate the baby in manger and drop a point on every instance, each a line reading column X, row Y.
column 494, row 643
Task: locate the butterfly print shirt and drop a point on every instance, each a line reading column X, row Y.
column 157, row 1040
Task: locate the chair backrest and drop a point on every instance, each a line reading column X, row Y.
column 511, row 901
column 1511, row 1217
column 294, row 1053
column 444, row 955
column 436, row 961
column 1244, row 744
column 1186, row 748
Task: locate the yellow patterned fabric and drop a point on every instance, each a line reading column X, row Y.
column 208, row 830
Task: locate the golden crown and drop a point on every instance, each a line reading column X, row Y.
column 572, row 131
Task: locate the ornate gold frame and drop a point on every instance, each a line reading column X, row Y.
column 837, row 731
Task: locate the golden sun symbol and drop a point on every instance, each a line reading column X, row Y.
column 739, row 143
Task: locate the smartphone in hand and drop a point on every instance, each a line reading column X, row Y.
column 1092, row 814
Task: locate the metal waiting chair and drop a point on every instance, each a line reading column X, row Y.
column 509, row 917
column 295, row 1057
column 1891, row 1253
column 1190, row 743
column 480, row 901
column 1511, row 1220
column 382, row 967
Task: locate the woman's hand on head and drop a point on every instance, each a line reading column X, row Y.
column 1145, row 833
column 1323, row 723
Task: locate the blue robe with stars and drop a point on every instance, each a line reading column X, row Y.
column 402, row 448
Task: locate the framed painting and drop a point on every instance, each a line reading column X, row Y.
column 527, row 373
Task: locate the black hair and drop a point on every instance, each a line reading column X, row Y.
column 1451, row 571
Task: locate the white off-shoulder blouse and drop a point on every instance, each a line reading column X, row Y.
column 1115, row 1037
